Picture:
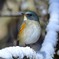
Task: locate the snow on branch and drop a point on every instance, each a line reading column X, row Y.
column 50, row 40
column 48, row 47
column 17, row 52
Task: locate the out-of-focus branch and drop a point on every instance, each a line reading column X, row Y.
column 50, row 41
column 9, row 14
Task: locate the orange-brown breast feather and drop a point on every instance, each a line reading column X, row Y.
column 22, row 29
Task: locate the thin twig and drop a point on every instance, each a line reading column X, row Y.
column 11, row 14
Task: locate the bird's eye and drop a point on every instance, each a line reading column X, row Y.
column 29, row 15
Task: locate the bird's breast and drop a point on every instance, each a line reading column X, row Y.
column 29, row 33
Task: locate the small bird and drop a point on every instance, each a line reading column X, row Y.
column 30, row 30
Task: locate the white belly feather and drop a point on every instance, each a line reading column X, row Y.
column 31, row 32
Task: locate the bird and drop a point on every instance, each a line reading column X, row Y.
column 30, row 30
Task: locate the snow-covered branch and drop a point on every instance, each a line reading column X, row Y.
column 17, row 52
column 48, row 47
column 50, row 40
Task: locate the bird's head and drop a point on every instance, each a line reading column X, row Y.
column 30, row 15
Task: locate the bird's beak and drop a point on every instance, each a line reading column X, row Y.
column 25, row 18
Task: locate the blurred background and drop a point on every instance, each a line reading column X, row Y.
column 9, row 25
